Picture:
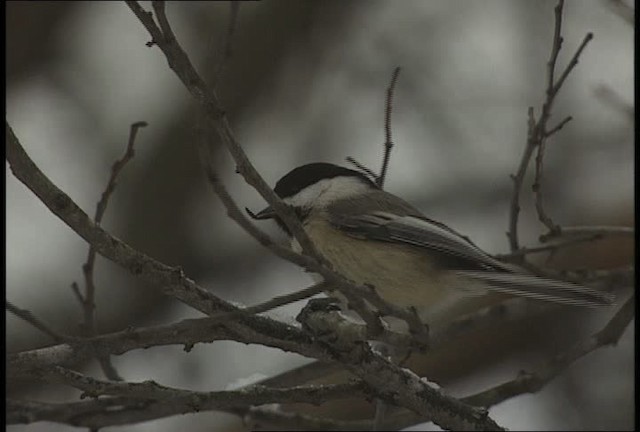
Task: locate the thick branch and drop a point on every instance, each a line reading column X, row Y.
column 179, row 62
column 170, row 280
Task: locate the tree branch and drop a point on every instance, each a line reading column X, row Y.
column 253, row 329
column 29, row 317
column 171, row 281
column 394, row 384
column 388, row 143
column 599, row 231
column 538, row 132
column 531, row 382
column 88, row 300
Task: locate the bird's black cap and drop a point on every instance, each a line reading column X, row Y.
column 306, row 175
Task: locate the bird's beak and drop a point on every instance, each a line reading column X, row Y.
column 266, row 213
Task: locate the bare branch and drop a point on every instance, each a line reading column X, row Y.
column 179, row 62
column 171, row 281
column 572, row 63
column 600, row 231
column 167, row 31
column 388, row 143
column 286, row 299
column 540, row 132
column 555, row 46
column 252, row 395
column 186, row 332
column 379, row 373
column 227, row 50
column 526, row 382
column 86, row 413
column 116, row 169
column 537, row 133
column 531, row 382
column 148, row 400
column 549, row 248
column 29, row 317
column 205, row 330
column 88, row 300
column 559, row 127
column 537, row 189
column 383, row 379
column 363, row 168
column 518, row 179
column 396, row 385
column 257, row 418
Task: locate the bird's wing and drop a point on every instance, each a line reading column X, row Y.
column 460, row 255
column 420, row 232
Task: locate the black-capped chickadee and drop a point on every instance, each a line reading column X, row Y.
column 373, row 237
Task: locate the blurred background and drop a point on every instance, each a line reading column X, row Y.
column 306, row 82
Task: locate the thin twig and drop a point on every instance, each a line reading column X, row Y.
column 549, row 248
column 537, row 133
column 531, row 382
column 180, row 63
column 572, row 63
column 29, row 317
column 88, row 300
column 559, row 127
column 170, row 281
column 286, row 299
column 227, row 47
column 367, row 171
column 537, row 189
column 556, row 46
column 274, row 303
column 608, row 231
column 388, row 143
column 518, row 179
column 541, row 133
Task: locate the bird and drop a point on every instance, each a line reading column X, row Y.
column 375, row 238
